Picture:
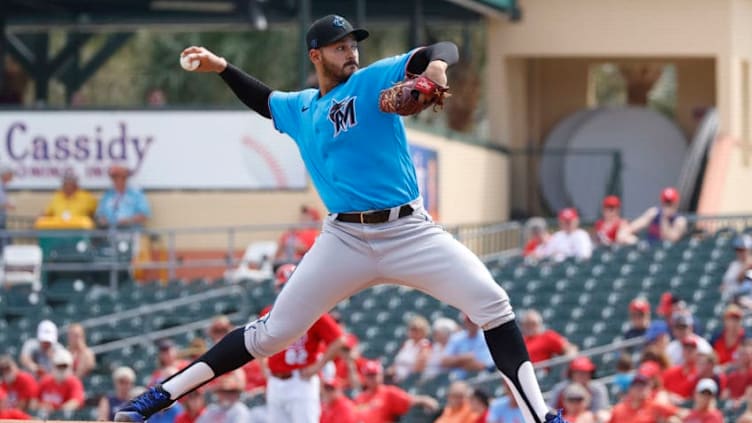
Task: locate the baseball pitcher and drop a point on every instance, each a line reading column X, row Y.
column 352, row 140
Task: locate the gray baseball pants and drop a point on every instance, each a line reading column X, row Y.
column 349, row 257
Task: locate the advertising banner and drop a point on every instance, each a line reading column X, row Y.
column 165, row 149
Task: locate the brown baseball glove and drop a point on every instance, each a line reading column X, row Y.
column 413, row 95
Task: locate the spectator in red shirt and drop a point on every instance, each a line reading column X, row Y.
column 611, row 229
column 542, row 344
column 638, row 406
column 536, row 232
column 379, row 403
column 292, row 390
column 61, row 390
column 21, row 387
column 194, row 405
column 680, row 380
column 652, row 372
column 335, row 406
column 731, row 336
column 168, row 362
column 705, row 409
column 8, row 412
column 294, row 243
column 349, row 363
column 739, row 372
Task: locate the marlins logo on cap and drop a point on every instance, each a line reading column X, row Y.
column 338, row 21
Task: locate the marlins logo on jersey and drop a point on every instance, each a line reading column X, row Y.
column 342, row 115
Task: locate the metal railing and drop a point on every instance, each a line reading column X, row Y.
column 113, row 252
column 119, row 252
column 560, row 360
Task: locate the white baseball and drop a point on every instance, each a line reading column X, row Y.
column 189, row 64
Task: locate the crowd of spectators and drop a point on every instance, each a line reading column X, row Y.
column 120, row 206
column 679, row 374
column 659, row 223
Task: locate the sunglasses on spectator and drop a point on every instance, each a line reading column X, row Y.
column 61, row 366
column 228, row 391
column 574, row 399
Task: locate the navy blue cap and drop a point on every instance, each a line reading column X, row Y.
column 331, row 29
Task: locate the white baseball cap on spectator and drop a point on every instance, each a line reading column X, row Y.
column 47, row 331
column 706, row 385
column 62, row 357
column 124, row 372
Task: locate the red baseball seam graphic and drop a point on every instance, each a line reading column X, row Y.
column 269, row 159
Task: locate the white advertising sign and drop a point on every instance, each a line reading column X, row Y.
column 165, row 149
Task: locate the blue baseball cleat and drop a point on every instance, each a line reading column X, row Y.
column 143, row 406
column 555, row 418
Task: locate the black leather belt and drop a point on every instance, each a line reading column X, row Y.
column 378, row 216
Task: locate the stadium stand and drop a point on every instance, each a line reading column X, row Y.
column 585, row 301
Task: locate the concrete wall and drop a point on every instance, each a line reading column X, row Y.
column 473, row 181
column 541, row 63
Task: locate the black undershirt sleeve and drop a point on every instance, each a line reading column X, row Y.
column 252, row 92
column 445, row 51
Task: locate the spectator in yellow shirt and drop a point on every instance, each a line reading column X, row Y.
column 71, row 201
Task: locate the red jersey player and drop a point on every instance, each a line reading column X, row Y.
column 292, row 391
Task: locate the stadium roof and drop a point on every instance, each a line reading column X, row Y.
column 120, row 15
column 26, row 25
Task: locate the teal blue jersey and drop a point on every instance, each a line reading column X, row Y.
column 356, row 154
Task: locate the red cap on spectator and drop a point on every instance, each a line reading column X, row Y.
column 611, row 201
column 669, row 195
column 372, row 367
column 664, row 306
column 639, row 305
column 689, row 341
column 582, row 364
column 649, row 369
column 568, row 214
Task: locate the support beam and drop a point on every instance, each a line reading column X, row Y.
column 416, row 24
column 74, row 78
column 75, row 41
column 40, row 47
column 3, row 50
column 20, row 52
column 304, row 20
column 360, row 22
